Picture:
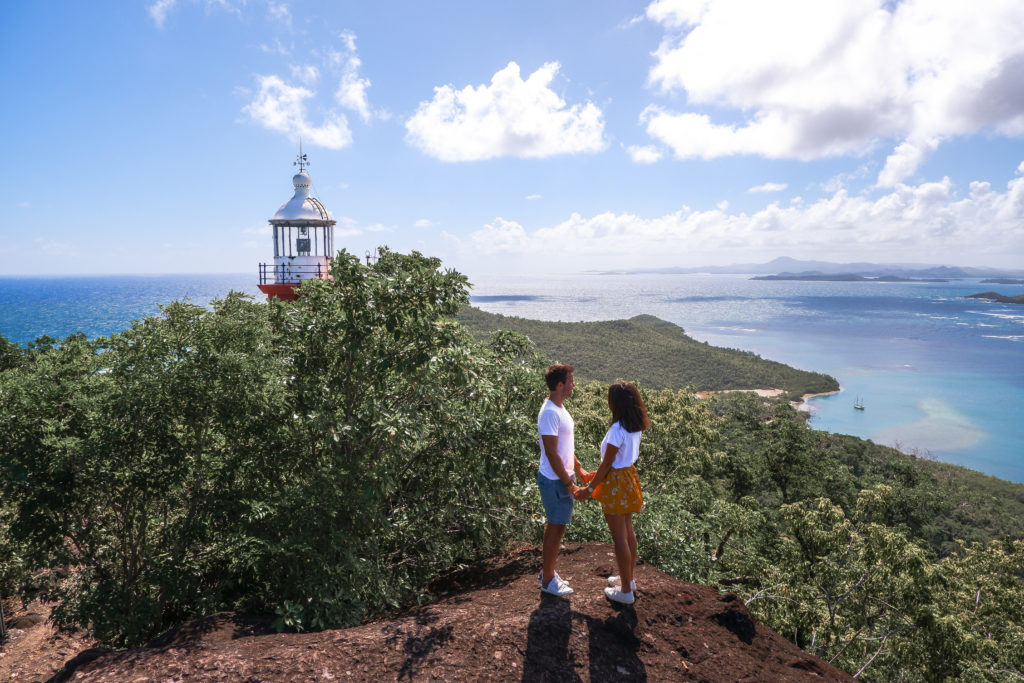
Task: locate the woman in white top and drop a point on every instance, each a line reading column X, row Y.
column 616, row 485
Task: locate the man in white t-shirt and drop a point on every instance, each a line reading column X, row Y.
column 557, row 460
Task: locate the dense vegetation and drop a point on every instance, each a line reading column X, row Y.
column 324, row 459
column 321, row 459
column 650, row 351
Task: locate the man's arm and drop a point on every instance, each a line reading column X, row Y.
column 551, row 451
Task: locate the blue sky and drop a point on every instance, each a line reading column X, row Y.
column 158, row 136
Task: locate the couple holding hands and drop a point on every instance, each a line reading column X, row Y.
column 615, row 483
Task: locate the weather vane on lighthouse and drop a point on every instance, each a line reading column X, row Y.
column 302, row 162
column 303, row 240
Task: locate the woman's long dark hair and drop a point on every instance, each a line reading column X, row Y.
column 627, row 407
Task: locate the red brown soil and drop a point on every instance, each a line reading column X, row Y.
column 489, row 622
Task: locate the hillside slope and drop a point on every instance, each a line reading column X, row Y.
column 660, row 354
column 490, row 622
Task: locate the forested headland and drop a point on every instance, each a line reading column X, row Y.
column 653, row 352
column 322, row 460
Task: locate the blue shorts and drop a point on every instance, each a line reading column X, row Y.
column 557, row 500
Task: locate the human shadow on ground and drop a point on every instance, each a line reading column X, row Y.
column 547, row 642
column 613, row 644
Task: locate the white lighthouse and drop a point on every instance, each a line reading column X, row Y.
column 303, row 241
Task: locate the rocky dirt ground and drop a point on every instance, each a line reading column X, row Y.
column 489, row 623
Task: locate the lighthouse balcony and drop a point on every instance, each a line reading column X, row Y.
column 291, row 273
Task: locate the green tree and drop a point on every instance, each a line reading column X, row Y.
column 848, row 589
column 321, row 458
column 410, row 443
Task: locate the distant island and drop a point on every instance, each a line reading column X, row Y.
column 845, row 277
column 1002, row 281
column 785, row 264
column 1019, row 299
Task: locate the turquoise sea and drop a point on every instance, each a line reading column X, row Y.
column 940, row 375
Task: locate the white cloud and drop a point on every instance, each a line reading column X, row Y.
column 810, row 79
column 52, row 247
column 905, row 159
column 158, row 11
column 281, row 107
column 532, row 197
column 306, row 74
column 769, row 187
column 509, row 117
column 275, row 48
column 502, row 236
column 644, row 155
column 897, row 225
column 351, row 92
column 279, row 11
column 423, row 223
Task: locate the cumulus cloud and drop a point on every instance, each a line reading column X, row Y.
column 896, row 225
column 769, row 187
column 423, row 223
column 351, row 92
column 282, row 108
column 159, row 10
column 307, row 74
column 648, row 154
column 531, row 197
column 509, row 117
column 810, row 79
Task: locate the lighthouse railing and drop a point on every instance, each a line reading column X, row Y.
column 281, row 274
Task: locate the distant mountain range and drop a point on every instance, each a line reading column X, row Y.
column 784, row 264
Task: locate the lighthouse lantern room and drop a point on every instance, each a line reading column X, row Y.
column 303, row 241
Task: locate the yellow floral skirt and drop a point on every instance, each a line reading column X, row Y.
column 620, row 492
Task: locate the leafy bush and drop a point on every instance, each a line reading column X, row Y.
column 320, row 459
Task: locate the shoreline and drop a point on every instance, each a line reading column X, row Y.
column 763, row 393
column 802, row 403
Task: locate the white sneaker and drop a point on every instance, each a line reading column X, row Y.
column 556, row 586
column 616, row 581
column 615, row 595
column 540, row 577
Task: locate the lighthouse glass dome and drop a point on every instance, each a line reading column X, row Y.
column 303, row 233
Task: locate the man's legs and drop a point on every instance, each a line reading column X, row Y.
column 552, row 542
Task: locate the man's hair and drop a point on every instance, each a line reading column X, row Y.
column 627, row 407
column 559, row 372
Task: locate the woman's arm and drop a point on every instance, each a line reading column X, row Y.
column 605, row 467
column 581, row 473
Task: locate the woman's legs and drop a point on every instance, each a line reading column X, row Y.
column 631, row 539
column 621, row 527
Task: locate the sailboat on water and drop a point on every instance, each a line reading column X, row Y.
column 858, row 404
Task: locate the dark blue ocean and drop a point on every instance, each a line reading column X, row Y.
column 940, row 375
